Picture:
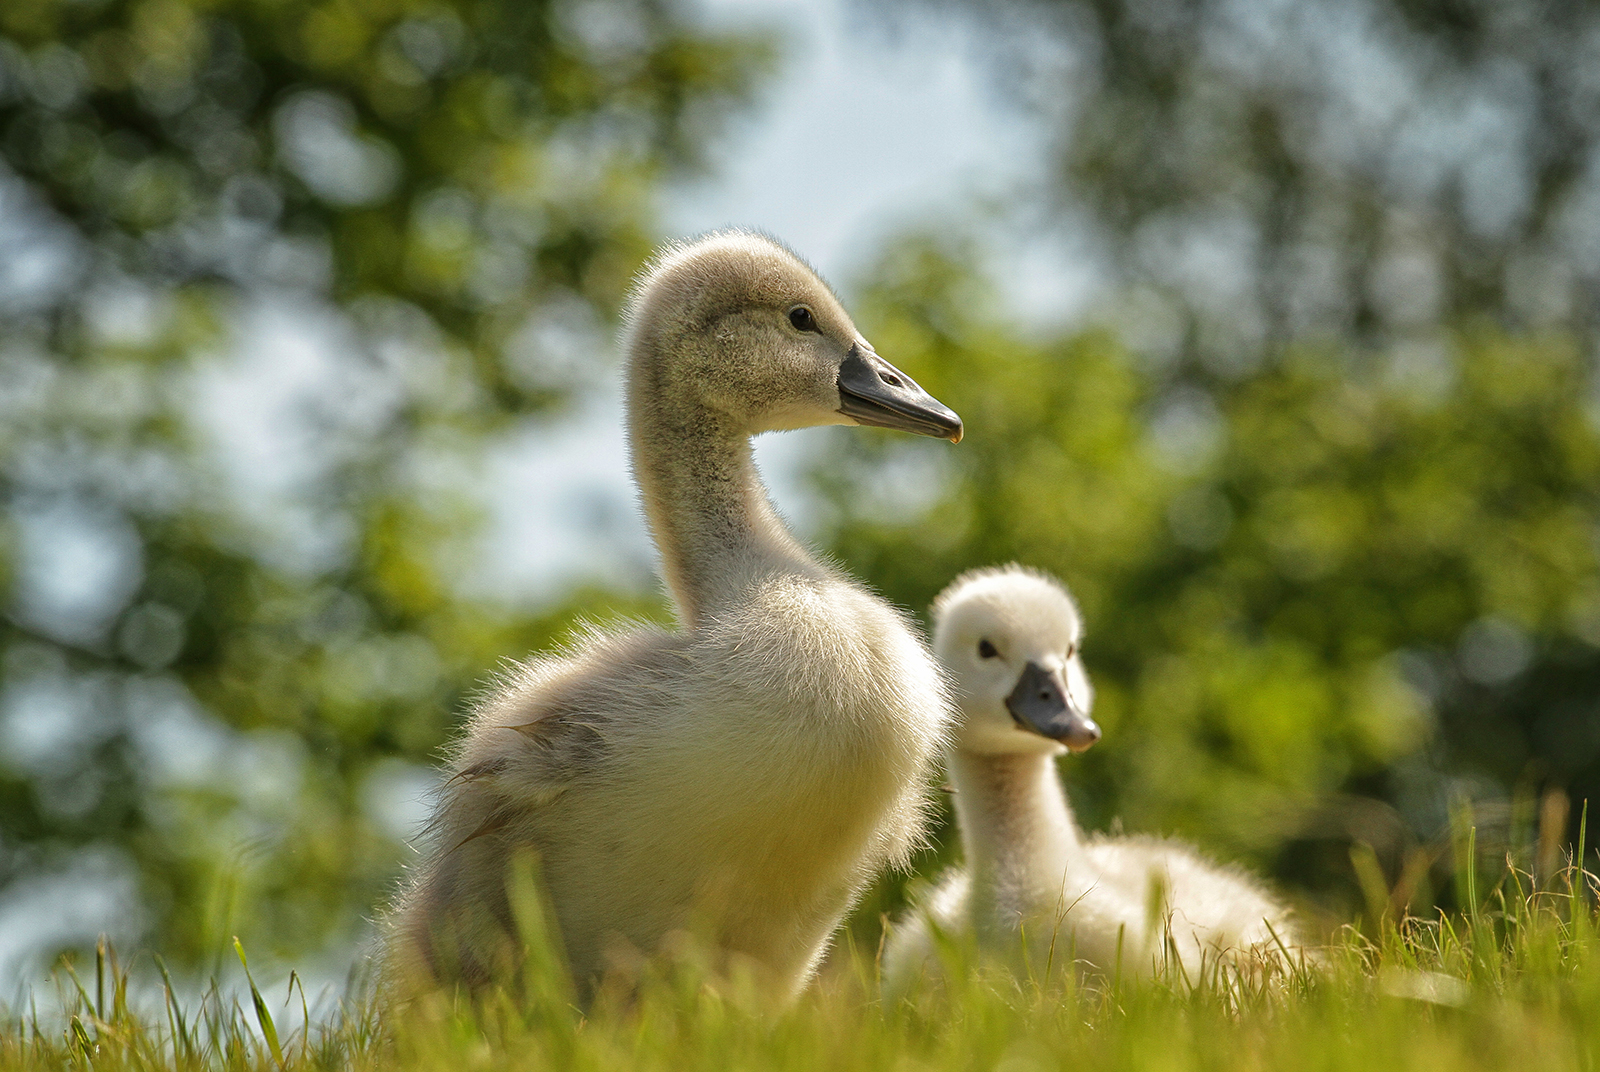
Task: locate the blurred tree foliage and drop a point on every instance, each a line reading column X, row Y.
column 208, row 670
column 1327, row 485
column 1360, row 169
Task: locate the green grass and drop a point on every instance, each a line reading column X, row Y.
column 1513, row 984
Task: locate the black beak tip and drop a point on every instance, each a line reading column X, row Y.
column 945, row 422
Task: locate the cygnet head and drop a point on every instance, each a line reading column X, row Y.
column 1009, row 640
column 737, row 325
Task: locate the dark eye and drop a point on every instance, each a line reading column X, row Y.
column 801, row 318
column 986, row 650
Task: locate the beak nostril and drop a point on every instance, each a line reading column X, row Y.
column 892, row 380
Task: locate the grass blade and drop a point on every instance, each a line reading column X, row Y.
column 263, row 1014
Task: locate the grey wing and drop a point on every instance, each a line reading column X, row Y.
column 553, row 722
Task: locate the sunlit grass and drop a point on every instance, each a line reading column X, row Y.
column 1513, row 983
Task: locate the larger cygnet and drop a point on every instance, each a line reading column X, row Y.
column 739, row 778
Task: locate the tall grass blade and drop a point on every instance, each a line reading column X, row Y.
column 269, row 1030
column 77, row 984
column 100, row 979
column 80, row 1044
column 305, row 1013
column 182, row 1044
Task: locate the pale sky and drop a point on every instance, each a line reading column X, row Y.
column 870, row 127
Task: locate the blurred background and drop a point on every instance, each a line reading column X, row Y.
column 1273, row 326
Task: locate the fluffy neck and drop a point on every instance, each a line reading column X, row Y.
column 708, row 510
column 1017, row 828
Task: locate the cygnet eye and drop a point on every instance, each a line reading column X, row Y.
column 800, row 316
column 986, row 650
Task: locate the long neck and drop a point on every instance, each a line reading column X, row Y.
column 1017, row 828
column 713, row 523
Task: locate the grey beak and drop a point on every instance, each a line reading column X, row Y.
column 872, row 391
column 1040, row 703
